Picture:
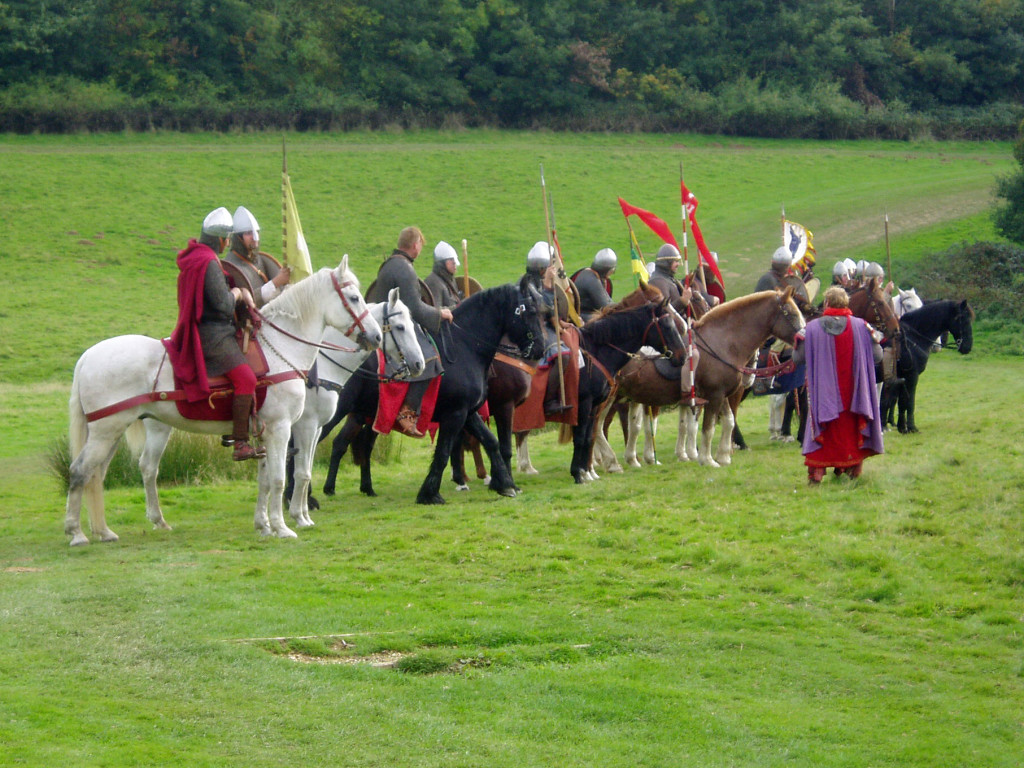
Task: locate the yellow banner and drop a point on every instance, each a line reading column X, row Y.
column 294, row 252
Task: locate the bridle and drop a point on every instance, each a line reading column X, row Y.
column 357, row 320
column 881, row 320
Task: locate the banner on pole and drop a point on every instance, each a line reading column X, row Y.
column 295, row 252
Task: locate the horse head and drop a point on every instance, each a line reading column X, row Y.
column 788, row 321
column 663, row 332
column 400, row 344
column 906, row 301
column 961, row 325
column 526, row 330
column 352, row 316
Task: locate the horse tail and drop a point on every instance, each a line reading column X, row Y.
column 135, row 437
column 78, row 433
column 564, row 433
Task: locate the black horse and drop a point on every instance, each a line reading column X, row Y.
column 467, row 347
column 607, row 344
column 920, row 329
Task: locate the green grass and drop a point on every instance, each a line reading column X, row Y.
column 662, row 617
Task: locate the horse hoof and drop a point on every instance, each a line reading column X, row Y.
column 368, row 491
column 312, row 503
column 328, row 490
column 79, row 540
column 615, row 468
column 462, row 487
column 509, row 493
column 161, row 525
column 108, row 536
column 487, row 481
column 528, row 470
column 435, row 499
column 634, row 463
column 286, row 533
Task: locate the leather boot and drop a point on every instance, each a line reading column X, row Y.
column 406, row 420
column 241, row 406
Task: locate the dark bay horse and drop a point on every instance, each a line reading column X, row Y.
column 480, row 322
column 920, row 329
column 607, row 343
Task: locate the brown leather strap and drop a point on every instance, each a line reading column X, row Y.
column 179, row 394
column 515, row 363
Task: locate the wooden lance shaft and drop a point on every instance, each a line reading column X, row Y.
column 465, row 270
column 554, row 318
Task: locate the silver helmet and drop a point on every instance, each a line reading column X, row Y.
column 444, row 251
column 851, row 266
column 840, row 269
column 244, row 221
column 218, row 223
column 605, row 259
column 858, row 272
column 539, row 257
column 873, row 269
column 668, row 252
column 782, row 256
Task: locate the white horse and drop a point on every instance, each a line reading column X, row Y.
column 335, row 368
column 906, row 301
column 122, row 384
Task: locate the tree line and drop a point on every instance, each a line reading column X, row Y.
column 779, row 68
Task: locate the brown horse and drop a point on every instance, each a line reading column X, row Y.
column 726, row 337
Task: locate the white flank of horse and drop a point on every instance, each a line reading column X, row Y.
column 125, row 367
column 336, row 368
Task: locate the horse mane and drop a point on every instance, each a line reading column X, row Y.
column 608, row 329
column 645, row 294
column 733, row 305
column 486, row 295
column 293, row 302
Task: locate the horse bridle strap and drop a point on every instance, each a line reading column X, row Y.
column 307, row 342
column 357, row 320
column 179, row 394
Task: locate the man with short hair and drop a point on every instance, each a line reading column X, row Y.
column 203, row 343
column 397, row 271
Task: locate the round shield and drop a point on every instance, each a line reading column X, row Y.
column 813, row 286
column 465, row 281
column 799, row 289
column 562, row 301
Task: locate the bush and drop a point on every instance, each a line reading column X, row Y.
column 989, row 275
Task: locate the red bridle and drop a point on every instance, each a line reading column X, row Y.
column 357, row 320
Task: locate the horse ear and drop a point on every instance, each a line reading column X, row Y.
column 393, row 296
column 343, row 267
column 788, row 293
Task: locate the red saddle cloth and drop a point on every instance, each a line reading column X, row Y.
column 392, row 395
column 544, row 388
column 217, row 407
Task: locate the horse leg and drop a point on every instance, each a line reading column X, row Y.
column 451, row 426
column 523, row 453
column 690, row 416
column 711, row 411
column 304, row 438
column 362, row 452
column 269, row 516
column 458, row 462
column 501, row 474
column 348, row 432
column 634, row 422
column 649, row 417
column 580, row 447
column 604, row 456
column 503, row 416
column 157, row 435
column 86, row 481
column 728, row 421
column 911, row 389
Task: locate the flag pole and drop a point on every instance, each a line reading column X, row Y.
column 888, row 254
column 284, row 202
column 686, row 254
column 554, row 317
column 689, row 306
column 465, row 270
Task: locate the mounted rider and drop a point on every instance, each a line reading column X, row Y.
column 204, row 342
column 666, row 263
column 263, row 274
column 441, row 280
column 594, row 283
column 398, row 271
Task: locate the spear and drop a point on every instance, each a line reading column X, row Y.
column 888, row 254
column 465, row 270
column 554, row 319
column 689, row 307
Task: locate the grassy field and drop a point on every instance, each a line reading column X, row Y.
column 666, row 616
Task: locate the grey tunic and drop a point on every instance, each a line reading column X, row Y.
column 398, row 272
column 217, row 324
column 593, row 295
column 443, row 287
column 769, row 281
column 666, row 282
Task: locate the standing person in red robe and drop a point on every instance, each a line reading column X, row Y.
column 844, row 426
column 203, row 343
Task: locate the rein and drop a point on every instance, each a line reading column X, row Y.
column 773, row 370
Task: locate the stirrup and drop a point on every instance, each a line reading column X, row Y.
column 244, row 451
